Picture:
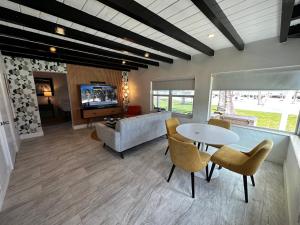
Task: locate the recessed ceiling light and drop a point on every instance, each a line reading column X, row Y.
column 211, row 35
column 123, row 62
column 52, row 49
column 60, row 30
column 147, row 54
column 125, row 52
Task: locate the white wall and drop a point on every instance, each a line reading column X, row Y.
column 257, row 55
column 9, row 141
column 292, row 180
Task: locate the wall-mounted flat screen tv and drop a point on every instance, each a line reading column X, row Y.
column 98, row 96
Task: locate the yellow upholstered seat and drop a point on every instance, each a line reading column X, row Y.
column 243, row 163
column 220, row 123
column 171, row 125
column 187, row 157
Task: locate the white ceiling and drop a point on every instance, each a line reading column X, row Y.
column 253, row 19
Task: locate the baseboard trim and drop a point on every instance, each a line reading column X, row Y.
column 33, row 135
column 286, row 190
column 4, row 189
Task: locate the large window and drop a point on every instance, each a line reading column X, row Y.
column 177, row 101
column 278, row 109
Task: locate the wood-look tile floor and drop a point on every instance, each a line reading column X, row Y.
column 67, row 178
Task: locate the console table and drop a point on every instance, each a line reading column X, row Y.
column 90, row 114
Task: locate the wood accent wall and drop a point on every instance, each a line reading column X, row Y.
column 77, row 75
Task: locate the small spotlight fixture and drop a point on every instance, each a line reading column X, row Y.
column 60, row 30
column 123, row 62
column 125, row 52
column 147, row 54
column 52, row 49
column 211, row 35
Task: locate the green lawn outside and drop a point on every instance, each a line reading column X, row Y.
column 186, row 108
column 266, row 119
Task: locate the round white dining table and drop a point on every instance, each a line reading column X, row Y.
column 207, row 134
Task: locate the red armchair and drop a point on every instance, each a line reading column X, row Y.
column 133, row 110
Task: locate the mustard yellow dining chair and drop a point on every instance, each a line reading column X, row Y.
column 187, row 157
column 220, row 123
column 242, row 163
column 171, row 125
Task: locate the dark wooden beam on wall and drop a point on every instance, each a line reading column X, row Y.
column 54, row 56
column 68, row 52
column 66, row 12
column 286, row 15
column 49, row 59
column 296, row 12
column 146, row 16
column 294, row 31
column 212, row 10
column 39, row 38
column 49, row 27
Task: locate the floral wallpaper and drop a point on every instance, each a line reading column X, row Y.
column 22, row 90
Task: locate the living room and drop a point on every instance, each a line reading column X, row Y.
column 170, row 112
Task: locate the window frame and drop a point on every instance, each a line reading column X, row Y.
column 170, row 95
column 296, row 132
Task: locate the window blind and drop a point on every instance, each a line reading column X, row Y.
column 185, row 84
column 271, row 79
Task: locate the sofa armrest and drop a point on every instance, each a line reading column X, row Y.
column 109, row 136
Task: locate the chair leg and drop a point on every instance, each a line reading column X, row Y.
column 252, row 179
column 104, row 145
column 206, row 148
column 193, row 184
column 211, row 171
column 171, row 172
column 167, row 150
column 220, row 167
column 199, row 145
column 245, row 188
column 122, row 155
column 206, row 172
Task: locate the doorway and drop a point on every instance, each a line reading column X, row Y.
column 53, row 98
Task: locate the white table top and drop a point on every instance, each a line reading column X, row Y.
column 208, row 134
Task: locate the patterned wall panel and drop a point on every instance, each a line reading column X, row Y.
column 22, row 90
column 125, row 89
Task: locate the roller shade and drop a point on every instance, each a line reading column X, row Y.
column 279, row 79
column 187, row 84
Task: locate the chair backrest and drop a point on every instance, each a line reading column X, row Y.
column 220, row 123
column 185, row 155
column 257, row 155
column 171, row 125
column 134, row 110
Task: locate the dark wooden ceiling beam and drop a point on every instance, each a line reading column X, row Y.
column 212, row 10
column 146, row 16
column 49, row 27
column 51, row 59
column 296, row 12
column 54, row 58
column 286, row 15
column 66, row 12
column 294, row 31
column 67, row 52
column 47, row 40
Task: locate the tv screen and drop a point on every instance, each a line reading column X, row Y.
column 98, row 96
